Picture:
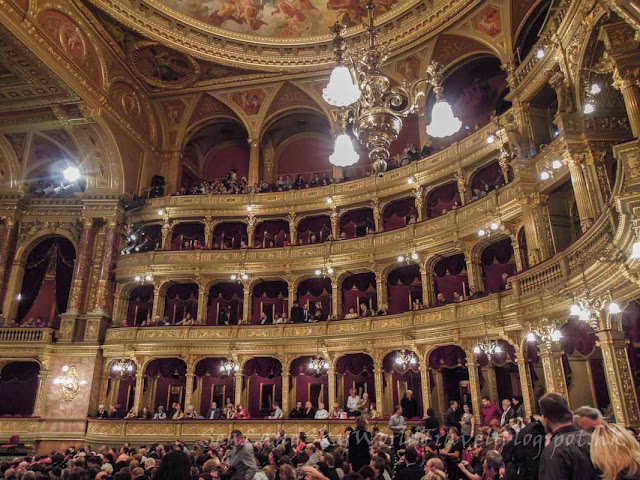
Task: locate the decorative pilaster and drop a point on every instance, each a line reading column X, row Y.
column 188, row 394
column 377, row 214
column 44, row 379
column 292, row 296
column 439, row 381
column 139, row 386
column 474, row 385
column 555, row 380
column 378, row 375
column 381, row 289
column 238, row 387
column 619, row 377
column 286, row 391
column 293, row 220
column 81, row 267
column 251, row 230
column 517, row 253
column 166, row 230
column 7, row 252
column 419, row 202
column 209, row 225
column 575, row 163
column 428, row 292
column 526, row 384
column 537, row 228
column 474, row 268
column 425, row 385
column 335, row 223
column 254, row 161
column 331, row 378
column 246, row 304
column 203, row 294
column 158, row 300
column 336, row 298
column 462, row 187
column 490, row 377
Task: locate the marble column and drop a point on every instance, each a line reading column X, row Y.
column 580, row 190
column 624, row 401
column 81, row 267
column 554, row 377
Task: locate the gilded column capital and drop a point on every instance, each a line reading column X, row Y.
column 253, row 142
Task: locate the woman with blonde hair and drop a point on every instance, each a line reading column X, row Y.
column 615, row 452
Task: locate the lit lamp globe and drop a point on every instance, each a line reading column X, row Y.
column 443, row 122
column 344, row 155
column 341, row 91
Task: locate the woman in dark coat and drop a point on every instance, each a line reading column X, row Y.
column 359, row 445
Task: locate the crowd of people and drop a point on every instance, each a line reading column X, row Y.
column 232, row 184
column 30, row 322
column 557, row 444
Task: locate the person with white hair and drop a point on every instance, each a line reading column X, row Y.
column 587, row 418
column 102, row 413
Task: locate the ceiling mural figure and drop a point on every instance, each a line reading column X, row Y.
column 278, row 18
column 163, row 67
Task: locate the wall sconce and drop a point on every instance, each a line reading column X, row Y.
column 69, row 383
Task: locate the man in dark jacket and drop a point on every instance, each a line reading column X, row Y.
column 567, row 457
column 452, row 417
column 409, row 469
column 297, row 412
column 296, row 313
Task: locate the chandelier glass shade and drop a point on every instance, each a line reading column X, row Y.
column 341, row 90
column 405, row 359
column 344, row 155
column 443, row 122
column 374, row 107
column 488, row 347
column 318, row 365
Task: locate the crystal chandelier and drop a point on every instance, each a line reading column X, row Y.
column 228, row 366
column 374, row 108
column 318, row 365
column 143, row 278
column 491, row 228
column 239, row 276
column 123, row 366
column 404, row 359
column 589, row 309
column 324, row 272
column 488, row 347
column 408, row 257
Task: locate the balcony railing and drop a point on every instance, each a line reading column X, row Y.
column 26, row 335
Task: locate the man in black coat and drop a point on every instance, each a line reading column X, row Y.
column 568, row 456
column 409, row 405
column 213, row 413
column 102, row 413
column 452, row 416
column 296, row 313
